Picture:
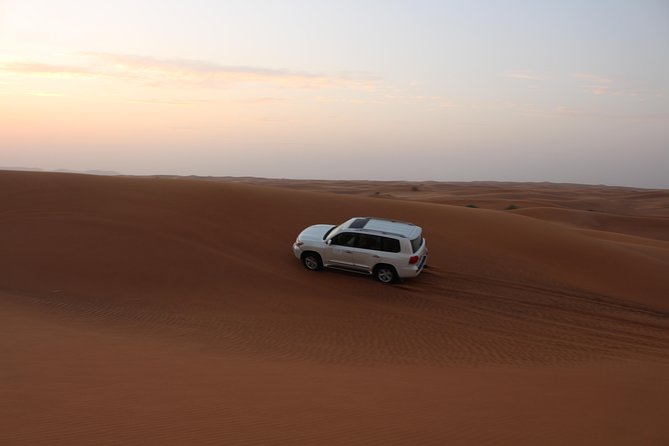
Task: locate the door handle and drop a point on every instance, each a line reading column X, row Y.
column 376, row 257
column 348, row 252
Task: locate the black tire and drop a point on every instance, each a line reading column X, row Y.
column 312, row 261
column 385, row 274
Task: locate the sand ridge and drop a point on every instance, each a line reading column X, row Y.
column 643, row 212
column 143, row 310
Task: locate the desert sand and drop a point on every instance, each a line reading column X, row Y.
column 171, row 311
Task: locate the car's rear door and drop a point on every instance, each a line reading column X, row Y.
column 367, row 252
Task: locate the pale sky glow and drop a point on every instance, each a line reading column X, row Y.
column 571, row 91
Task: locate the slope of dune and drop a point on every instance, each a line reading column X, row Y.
column 648, row 227
column 642, row 212
column 144, row 310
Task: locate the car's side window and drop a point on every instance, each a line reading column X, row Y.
column 366, row 241
column 344, row 239
column 390, row 244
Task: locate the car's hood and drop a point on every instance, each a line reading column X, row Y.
column 314, row 233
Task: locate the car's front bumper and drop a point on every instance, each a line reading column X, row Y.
column 297, row 250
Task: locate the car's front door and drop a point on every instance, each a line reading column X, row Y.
column 340, row 252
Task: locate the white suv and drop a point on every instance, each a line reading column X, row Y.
column 386, row 249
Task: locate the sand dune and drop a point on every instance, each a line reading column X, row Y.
column 627, row 210
column 171, row 311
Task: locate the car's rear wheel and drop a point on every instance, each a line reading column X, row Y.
column 312, row 261
column 385, row 274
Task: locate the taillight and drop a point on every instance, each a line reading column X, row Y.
column 413, row 259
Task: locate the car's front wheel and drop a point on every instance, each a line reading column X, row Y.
column 312, row 261
column 385, row 274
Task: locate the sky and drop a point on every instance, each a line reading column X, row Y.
column 568, row 91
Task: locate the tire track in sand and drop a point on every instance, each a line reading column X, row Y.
column 443, row 318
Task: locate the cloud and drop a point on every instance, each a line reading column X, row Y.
column 43, row 69
column 339, row 100
column 523, row 75
column 602, row 85
column 564, row 111
column 593, row 78
column 187, row 73
column 171, row 101
column 262, row 100
column 596, row 84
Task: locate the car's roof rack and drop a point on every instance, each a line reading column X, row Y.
column 391, row 220
column 378, row 231
column 383, row 226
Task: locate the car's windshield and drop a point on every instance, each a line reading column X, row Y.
column 330, row 230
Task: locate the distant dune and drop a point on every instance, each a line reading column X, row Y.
column 172, row 311
column 37, row 169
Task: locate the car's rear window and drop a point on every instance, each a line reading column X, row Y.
column 390, row 244
column 366, row 241
column 416, row 243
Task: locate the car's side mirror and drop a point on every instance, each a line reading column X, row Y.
column 328, row 242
